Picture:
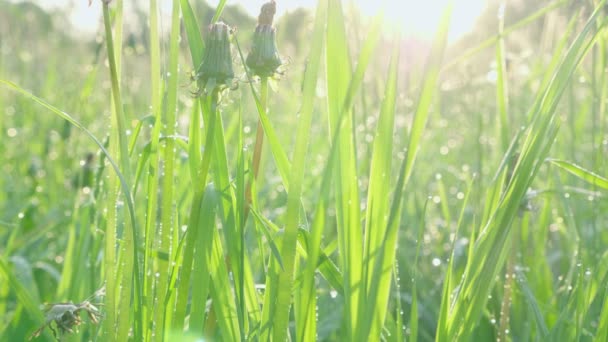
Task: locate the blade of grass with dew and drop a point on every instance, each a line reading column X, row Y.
column 167, row 208
column 539, row 320
column 378, row 202
column 292, row 218
column 221, row 292
column 135, row 135
column 201, row 280
column 240, row 228
column 196, row 51
column 581, row 173
column 111, row 252
column 177, row 260
column 414, row 309
column 448, row 281
column 153, row 171
column 338, row 75
column 490, row 249
column 306, row 319
column 399, row 331
column 143, row 164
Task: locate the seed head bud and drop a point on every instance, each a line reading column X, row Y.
column 264, row 59
column 267, row 13
column 216, row 68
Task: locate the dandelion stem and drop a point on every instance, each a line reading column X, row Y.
column 259, row 143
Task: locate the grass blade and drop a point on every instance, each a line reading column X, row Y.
column 581, row 173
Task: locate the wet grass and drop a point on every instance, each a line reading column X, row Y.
column 383, row 203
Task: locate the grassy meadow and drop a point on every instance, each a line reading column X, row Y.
column 187, row 181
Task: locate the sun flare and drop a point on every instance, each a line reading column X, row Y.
column 418, row 19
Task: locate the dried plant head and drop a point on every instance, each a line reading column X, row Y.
column 267, row 13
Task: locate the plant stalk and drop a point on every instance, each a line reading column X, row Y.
column 259, row 144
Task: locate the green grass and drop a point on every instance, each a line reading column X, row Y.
column 377, row 200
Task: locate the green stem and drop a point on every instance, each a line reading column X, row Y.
column 259, row 144
column 153, row 167
column 206, row 161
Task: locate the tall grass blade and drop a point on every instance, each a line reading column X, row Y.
column 378, row 202
column 581, row 173
column 292, row 218
column 338, row 70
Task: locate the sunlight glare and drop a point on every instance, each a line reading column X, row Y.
column 421, row 19
column 412, row 18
